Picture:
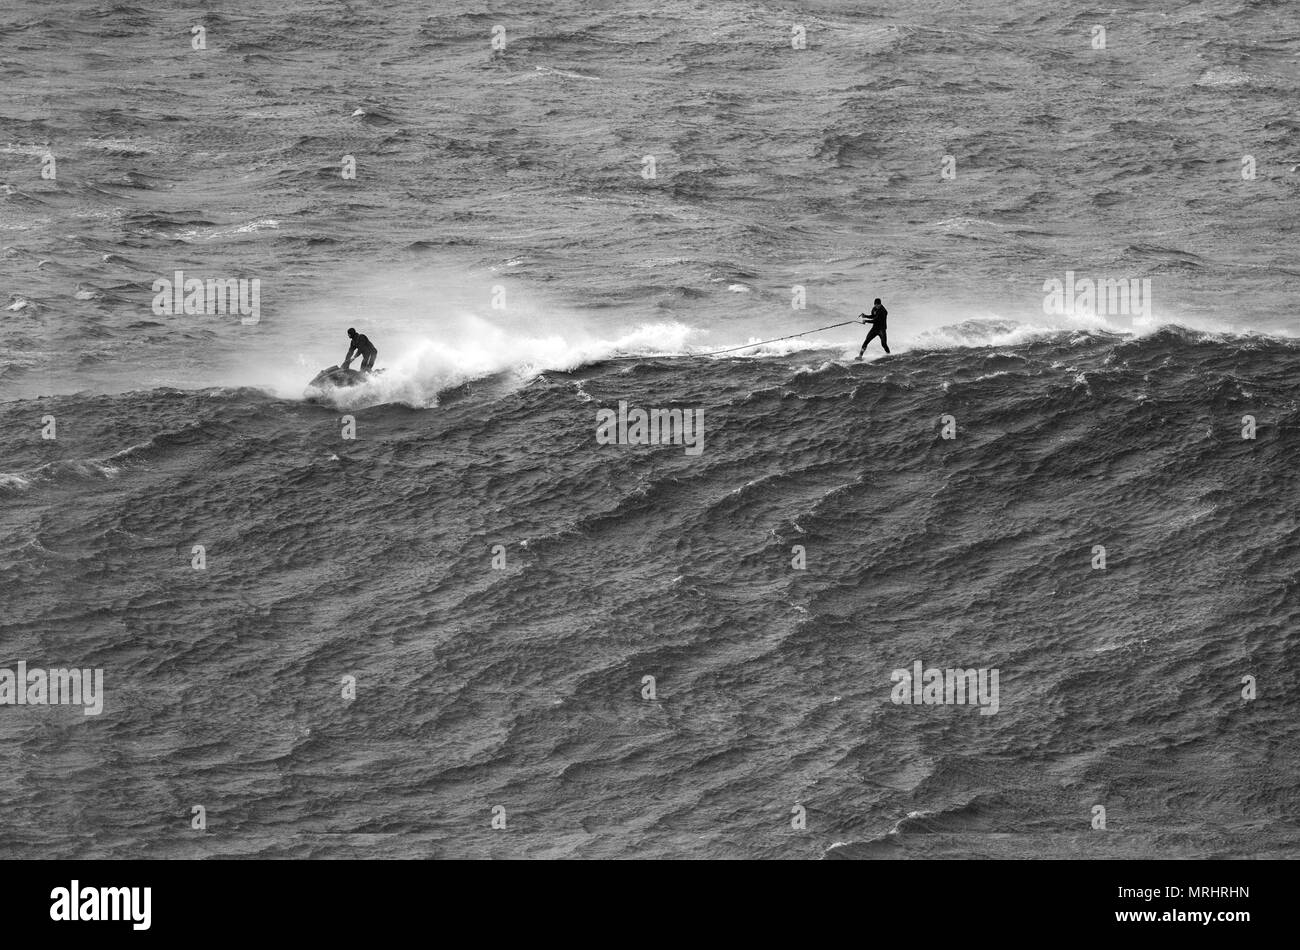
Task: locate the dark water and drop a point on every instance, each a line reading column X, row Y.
column 522, row 686
column 518, row 273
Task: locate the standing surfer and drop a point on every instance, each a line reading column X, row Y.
column 877, row 321
column 366, row 350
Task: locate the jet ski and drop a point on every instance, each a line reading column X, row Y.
column 336, row 377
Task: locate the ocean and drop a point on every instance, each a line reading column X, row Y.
column 457, row 612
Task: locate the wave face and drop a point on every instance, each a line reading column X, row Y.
column 523, row 686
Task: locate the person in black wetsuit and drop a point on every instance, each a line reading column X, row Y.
column 877, row 320
column 363, row 348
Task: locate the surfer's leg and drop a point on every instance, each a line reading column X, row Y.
column 883, row 341
column 369, row 361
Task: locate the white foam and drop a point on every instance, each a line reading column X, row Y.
column 1223, row 76
column 992, row 331
column 482, row 350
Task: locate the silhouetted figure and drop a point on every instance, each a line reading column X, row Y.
column 877, row 320
column 363, row 348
